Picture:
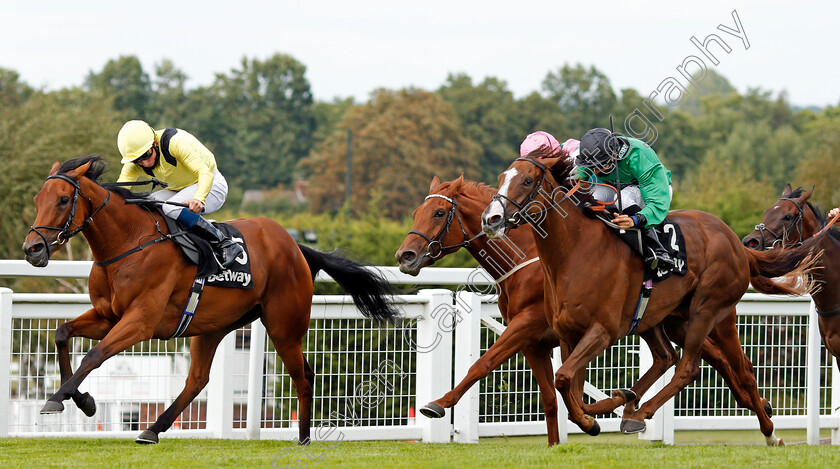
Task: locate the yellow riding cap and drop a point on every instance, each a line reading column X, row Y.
column 134, row 140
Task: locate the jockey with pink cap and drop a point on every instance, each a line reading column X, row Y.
column 542, row 144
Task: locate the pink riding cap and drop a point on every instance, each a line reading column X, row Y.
column 542, row 144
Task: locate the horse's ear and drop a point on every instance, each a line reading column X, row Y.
column 807, row 195
column 80, row 171
column 455, row 187
column 434, row 185
column 787, row 190
column 54, row 169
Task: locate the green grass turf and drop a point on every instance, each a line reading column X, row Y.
column 731, row 449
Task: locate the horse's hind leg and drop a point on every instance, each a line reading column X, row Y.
column 664, row 356
column 202, row 349
column 91, row 326
column 725, row 335
column 286, row 325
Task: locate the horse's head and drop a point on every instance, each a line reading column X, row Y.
column 785, row 222
column 519, row 188
column 60, row 213
column 431, row 237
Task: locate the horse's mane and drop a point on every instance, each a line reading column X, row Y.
column 470, row 189
column 822, row 215
column 98, row 166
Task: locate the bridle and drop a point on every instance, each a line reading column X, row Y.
column 796, row 223
column 522, row 215
column 65, row 232
column 435, row 248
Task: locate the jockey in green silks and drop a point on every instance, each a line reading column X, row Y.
column 645, row 185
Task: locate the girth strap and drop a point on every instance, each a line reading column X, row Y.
column 641, row 305
column 827, row 314
column 189, row 309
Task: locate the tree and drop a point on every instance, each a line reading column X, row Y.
column 125, row 81
column 44, row 129
column 821, row 157
column 400, row 140
column 169, row 101
column 487, row 112
column 583, row 95
column 258, row 120
column 12, row 91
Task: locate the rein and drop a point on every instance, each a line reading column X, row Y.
column 65, row 233
column 796, row 223
column 435, row 248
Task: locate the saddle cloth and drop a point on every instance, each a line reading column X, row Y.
column 670, row 236
column 200, row 253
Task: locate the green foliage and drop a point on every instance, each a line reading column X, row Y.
column 584, row 96
column 125, row 81
column 400, row 140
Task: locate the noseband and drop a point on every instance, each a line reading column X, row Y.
column 435, row 248
column 796, row 223
column 65, row 232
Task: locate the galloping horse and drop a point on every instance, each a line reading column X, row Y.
column 142, row 295
column 449, row 219
column 593, row 282
column 790, row 221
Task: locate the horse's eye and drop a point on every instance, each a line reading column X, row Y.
column 788, row 217
column 528, row 181
column 63, row 200
column 439, row 213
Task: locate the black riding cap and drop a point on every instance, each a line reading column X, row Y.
column 598, row 147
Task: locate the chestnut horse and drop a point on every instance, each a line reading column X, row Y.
column 142, row 295
column 593, row 280
column 790, row 221
column 449, row 219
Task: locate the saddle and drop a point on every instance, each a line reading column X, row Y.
column 199, row 252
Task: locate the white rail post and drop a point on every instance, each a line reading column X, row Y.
column 812, row 395
column 467, row 351
column 5, row 358
column 434, row 360
column 256, row 359
column 661, row 426
column 835, row 400
column 220, row 389
column 562, row 411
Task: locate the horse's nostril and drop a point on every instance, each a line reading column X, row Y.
column 408, row 256
column 494, row 219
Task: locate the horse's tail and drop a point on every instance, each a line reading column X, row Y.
column 370, row 291
column 794, row 266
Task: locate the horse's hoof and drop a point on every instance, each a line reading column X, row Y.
column 52, row 407
column 433, row 411
column 768, row 408
column 147, row 438
column 627, row 394
column 595, row 430
column 87, row 404
column 629, row 426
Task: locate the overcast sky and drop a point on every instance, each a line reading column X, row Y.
column 351, row 48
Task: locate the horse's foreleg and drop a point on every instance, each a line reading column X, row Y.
column 122, row 336
column 539, row 357
column 593, row 343
column 91, row 326
column 202, row 349
column 522, row 330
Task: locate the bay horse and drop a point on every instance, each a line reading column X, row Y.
column 787, row 223
column 450, row 219
column 593, row 280
column 142, row 296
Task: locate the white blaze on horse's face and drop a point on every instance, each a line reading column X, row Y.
column 497, row 206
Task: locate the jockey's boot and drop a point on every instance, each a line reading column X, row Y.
column 657, row 256
column 226, row 250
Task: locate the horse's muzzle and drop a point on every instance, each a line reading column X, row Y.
column 36, row 253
